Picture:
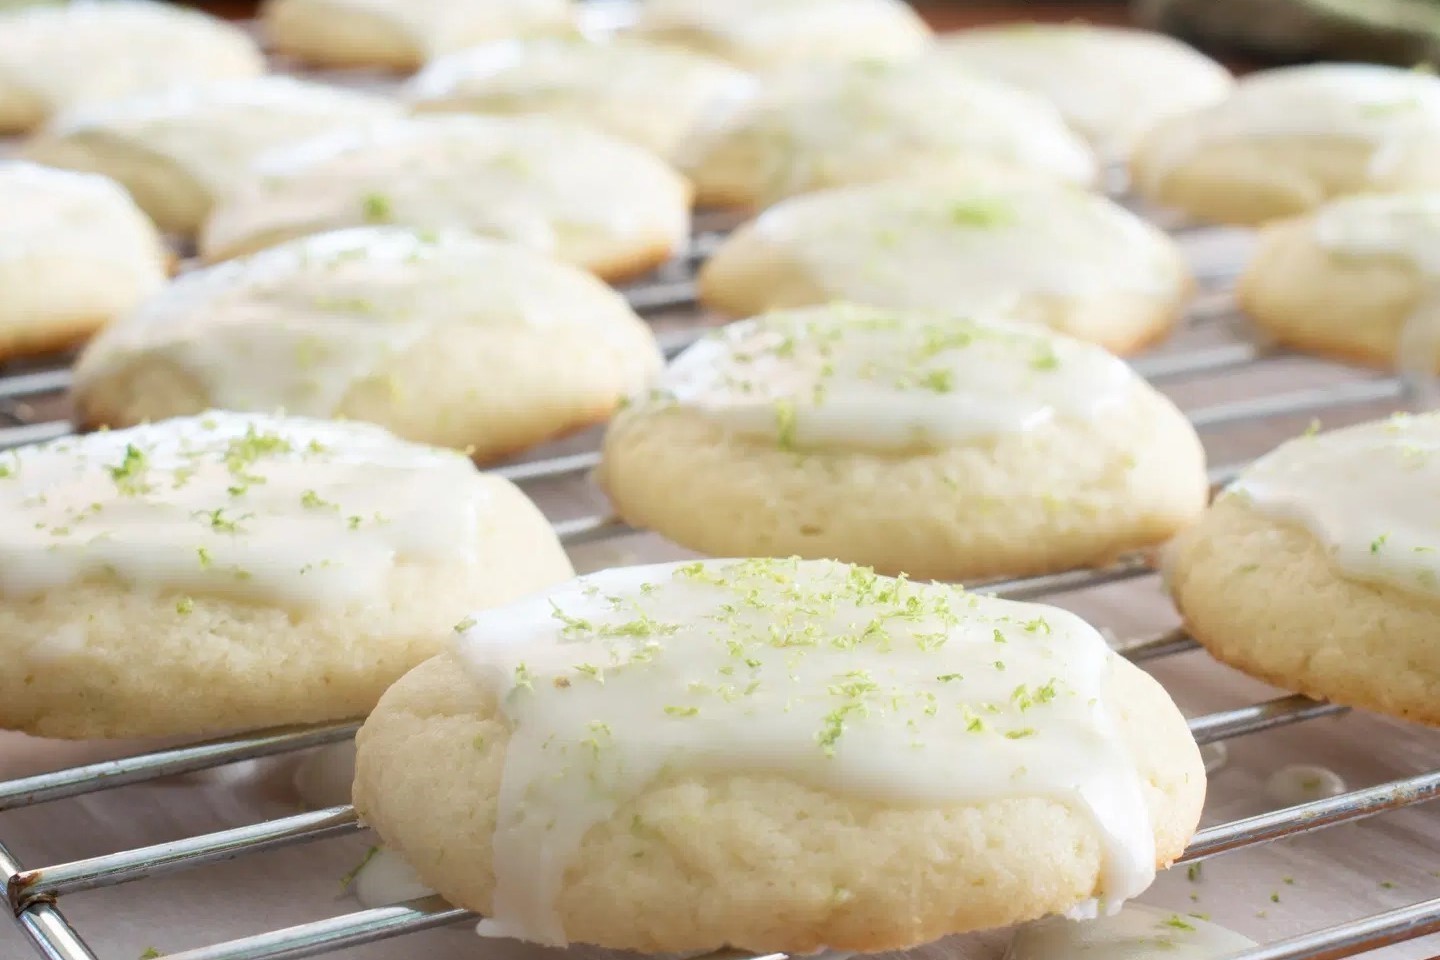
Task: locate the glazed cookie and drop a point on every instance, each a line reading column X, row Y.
column 176, row 152
column 402, row 34
column 651, row 95
column 227, row 572
column 1358, row 280
column 1110, row 83
column 74, row 253
column 916, row 443
column 447, row 339
column 769, row 34
column 776, row 755
column 57, row 56
column 830, row 125
column 1289, row 139
column 1317, row 570
column 1057, row 256
column 619, row 213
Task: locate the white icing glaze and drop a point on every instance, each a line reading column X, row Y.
column 285, row 511
column 1297, row 783
column 968, row 250
column 385, row 878
column 1405, row 225
column 860, row 121
column 297, row 326
column 324, row 776
column 216, row 132
column 67, row 54
column 1137, row 932
column 1385, row 107
column 814, row 671
column 440, row 26
column 649, row 94
column 1110, row 83
column 511, row 177
column 56, row 212
column 1366, row 492
column 870, row 379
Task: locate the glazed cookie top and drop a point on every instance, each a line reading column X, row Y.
column 294, row 512
column 1366, row 492
column 58, row 212
column 1402, row 225
column 848, row 123
column 74, row 53
column 817, row 671
column 434, row 25
column 765, row 34
column 862, row 378
column 295, row 327
column 215, row 132
column 973, row 249
column 647, row 93
column 1386, row 107
column 510, row 177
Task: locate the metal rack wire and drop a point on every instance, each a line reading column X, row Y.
column 34, row 893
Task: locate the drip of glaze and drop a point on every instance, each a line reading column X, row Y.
column 385, row 878
column 1136, row 932
column 1215, row 755
column 1299, row 783
column 324, row 776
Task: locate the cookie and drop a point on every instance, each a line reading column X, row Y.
column 926, row 444
column 1110, row 83
column 227, row 572
column 178, row 151
column 1317, row 569
column 619, row 213
column 57, row 56
column 651, row 95
column 1356, row 280
column 74, row 253
column 829, row 125
column 447, row 339
column 1061, row 257
column 1289, row 139
column 401, row 34
column 775, row 755
column 770, row 34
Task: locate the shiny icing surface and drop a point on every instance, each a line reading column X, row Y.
column 820, row 672
column 297, row 326
column 1401, row 225
column 863, row 378
column 438, row 26
column 1366, row 492
column 384, row 878
column 216, row 132
column 1385, row 107
column 510, row 177
column 67, row 54
column 286, row 511
column 1297, row 783
column 868, row 120
column 1109, row 83
column 56, row 212
column 649, row 94
column 970, row 250
column 1137, row 932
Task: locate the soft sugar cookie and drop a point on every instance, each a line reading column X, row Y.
column 1289, row 139
column 448, row 339
column 776, row 755
column 401, row 34
column 74, row 253
column 831, row 125
column 1061, row 257
column 1110, row 83
column 57, row 56
column 924, row 444
column 648, row 94
column 1358, row 279
column 768, row 34
column 178, row 151
column 1319, row 568
column 227, row 572
column 618, row 213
